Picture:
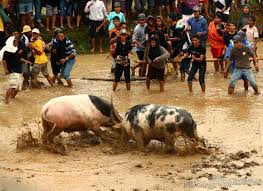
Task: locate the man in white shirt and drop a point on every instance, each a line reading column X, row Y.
column 96, row 13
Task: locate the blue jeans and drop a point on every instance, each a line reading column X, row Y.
column 66, row 69
column 38, row 6
column 61, row 7
column 238, row 73
column 26, row 71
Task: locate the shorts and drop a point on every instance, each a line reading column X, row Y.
column 78, row 7
column 37, row 68
column 154, row 73
column 217, row 52
column 122, row 69
column 51, row 11
column 15, row 81
column 93, row 26
column 25, row 8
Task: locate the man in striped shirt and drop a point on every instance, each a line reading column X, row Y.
column 65, row 56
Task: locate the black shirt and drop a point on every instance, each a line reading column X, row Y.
column 198, row 51
column 123, row 49
column 161, row 37
column 228, row 37
column 12, row 62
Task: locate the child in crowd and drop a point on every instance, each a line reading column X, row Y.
column 251, row 32
column 121, row 51
column 216, row 40
column 242, row 21
column 138, row 39
column 51, row 12
column 228, row 35
column 37, row 48
column 197, row 52
column 109, row 19
column 161, row 32
column 156, row 58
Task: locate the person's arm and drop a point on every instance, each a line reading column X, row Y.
column 71, row 49
column 105, row 21
column 205, row 28
column 255, row 61
column 164, row 55
column 88, row 5
column 3, row 15
column 38, row 48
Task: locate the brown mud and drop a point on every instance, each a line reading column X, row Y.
column 232, row 125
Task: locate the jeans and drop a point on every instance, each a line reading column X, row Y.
column 194, row 68
column 66, row 69
column 38, row 6
column 69, row 9
column 61, row 7
column 238, row 73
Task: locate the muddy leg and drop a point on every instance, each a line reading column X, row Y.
column 138, row 136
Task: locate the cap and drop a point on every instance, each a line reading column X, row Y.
column 123, row 31
column 35, row 30
column 236, row 38
column 58, row 30
column 242, row 34
column 150, row 17
column 117, row 4
column 26, row 28
column 196, row 9
column 141, row 16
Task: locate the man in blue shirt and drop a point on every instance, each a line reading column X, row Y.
column 198, row 25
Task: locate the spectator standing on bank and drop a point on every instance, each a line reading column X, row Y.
column 51, row 13
column 25, row 9
column 97, row 13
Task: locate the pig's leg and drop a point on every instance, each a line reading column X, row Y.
column 169, row 142
column 139, row 138
column 124, row 136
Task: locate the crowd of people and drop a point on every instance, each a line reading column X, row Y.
column 179, row 36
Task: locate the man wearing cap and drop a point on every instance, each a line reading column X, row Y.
column 25, row 41
column 198, row 25
column 241, row 55
column 109, row 19
column 138, row 39
column 97, row 13
column 121, row 52
column 37, row 48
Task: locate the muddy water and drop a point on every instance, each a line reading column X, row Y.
column 232, row 123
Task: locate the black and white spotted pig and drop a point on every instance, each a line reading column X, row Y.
column 143, row 123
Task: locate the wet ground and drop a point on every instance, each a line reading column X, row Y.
column 233, row 123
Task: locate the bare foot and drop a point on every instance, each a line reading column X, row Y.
column 69, row 26
column 101, row 50
column 92, row 50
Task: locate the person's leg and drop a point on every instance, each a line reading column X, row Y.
column 216, row 65
column 8, row 94
column 248, row 73
column 37, row 5
column 167, row 8
column 66, row 70
column 45, row 73
column 93, row 45
column 23, row 20
column 148, row 83
column 92, row 36
column 29, row 19
column 118, row 73
column 202, row 70
column 101, row 36
column 78, row 20
column 127, row 76
column 14, row 93
column 191, row 76
column 54, row 21
column 47, row 23
column 237, row 73
column 69, row 7
column 61, row 7
column 161, row 86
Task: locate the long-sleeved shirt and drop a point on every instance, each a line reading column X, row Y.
column 198, row 25
column 96, row 10
column 139, row 35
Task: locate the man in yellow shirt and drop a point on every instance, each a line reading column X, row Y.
column 41, row 60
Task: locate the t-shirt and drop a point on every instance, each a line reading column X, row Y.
column 161, row 37
column 123, row 49
column 241, row 57
column 228, row 37
column 197, row 51
column 251, row 34
column 39, row 46
column 12, row 61
column 112, row 15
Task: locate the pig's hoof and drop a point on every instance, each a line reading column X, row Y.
column 58, row 148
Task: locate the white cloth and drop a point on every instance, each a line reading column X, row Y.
column 9, row 47
column 15, row 81
column 96, row 10
column 227, row 11
column 251, row 34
